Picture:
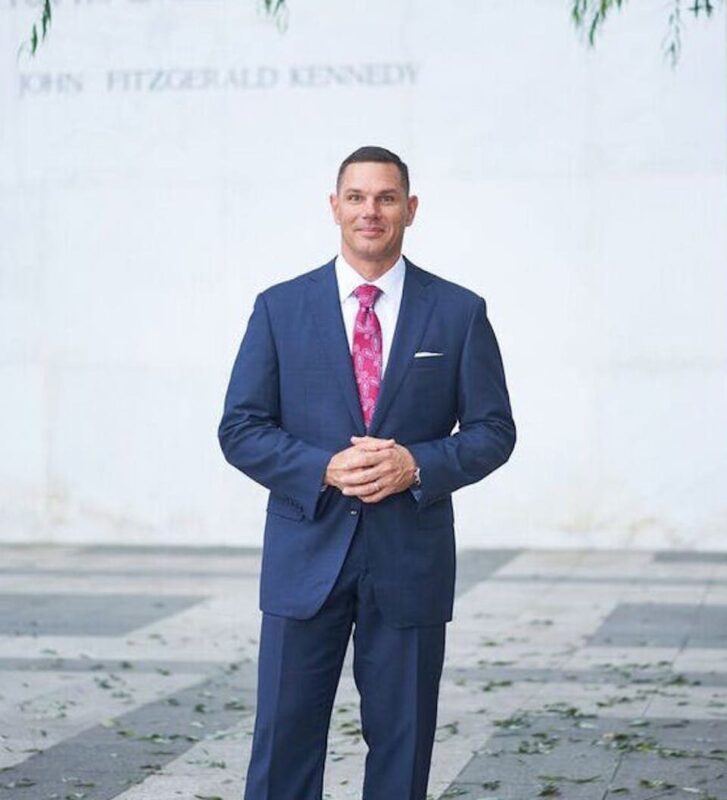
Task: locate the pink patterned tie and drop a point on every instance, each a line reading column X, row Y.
column 366, row 351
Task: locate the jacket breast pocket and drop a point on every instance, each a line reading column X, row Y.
column 282, row 507
column 429, row 391
column 431, row 373
column 433, row 363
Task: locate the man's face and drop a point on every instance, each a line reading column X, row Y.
column 372, row 210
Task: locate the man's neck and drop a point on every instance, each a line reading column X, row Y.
column 370, row 270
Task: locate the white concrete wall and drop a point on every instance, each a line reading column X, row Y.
column 142, row 208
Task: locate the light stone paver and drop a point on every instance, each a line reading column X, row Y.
column 693, row 702
column 701, row 660
column 186, row 647
column 210, row 768
column 595, row 655
column 586, row 699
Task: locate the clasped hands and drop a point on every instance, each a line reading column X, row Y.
column 371, row 469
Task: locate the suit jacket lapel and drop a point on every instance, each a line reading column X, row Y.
column 416, row 305
column 325, row 305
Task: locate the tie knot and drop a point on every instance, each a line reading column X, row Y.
column 367, row 295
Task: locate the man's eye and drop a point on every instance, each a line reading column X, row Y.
column 354, row 198
column 388, row 199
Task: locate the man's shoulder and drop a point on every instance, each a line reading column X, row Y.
column 292, row 286
column 445, row 289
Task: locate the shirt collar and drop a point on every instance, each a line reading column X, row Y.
column 348, row 279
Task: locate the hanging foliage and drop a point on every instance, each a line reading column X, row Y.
column 589, row 17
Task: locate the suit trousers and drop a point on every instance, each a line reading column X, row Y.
column 396, row 671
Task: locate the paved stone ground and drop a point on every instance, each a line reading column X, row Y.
column 129, row 673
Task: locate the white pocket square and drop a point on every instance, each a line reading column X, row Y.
column 426, row 354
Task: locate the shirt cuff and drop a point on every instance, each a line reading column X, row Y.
column 416, row 492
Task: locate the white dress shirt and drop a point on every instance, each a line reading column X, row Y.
column 387, row 305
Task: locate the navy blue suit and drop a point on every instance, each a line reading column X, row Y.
column 291, row 405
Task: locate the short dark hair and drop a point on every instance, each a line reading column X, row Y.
column 379, row 155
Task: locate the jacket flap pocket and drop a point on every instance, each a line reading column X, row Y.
column 283, row 507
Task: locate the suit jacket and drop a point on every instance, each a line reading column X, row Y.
column 292, row 403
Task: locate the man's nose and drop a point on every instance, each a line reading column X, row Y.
column 370, row 208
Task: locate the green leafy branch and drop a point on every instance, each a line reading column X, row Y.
column 277, row 9
column 46, row 15
column 589, row 17
column 274, row 7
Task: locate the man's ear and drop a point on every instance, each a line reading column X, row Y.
column 412, row 205
column 333, row 200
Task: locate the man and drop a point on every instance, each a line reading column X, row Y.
column 342, row 401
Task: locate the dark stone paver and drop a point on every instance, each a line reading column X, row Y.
column 474, row 566
column 85, row 614
column 663, row 625
column 615, row 580
column 690, row 557
column 541, row 755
